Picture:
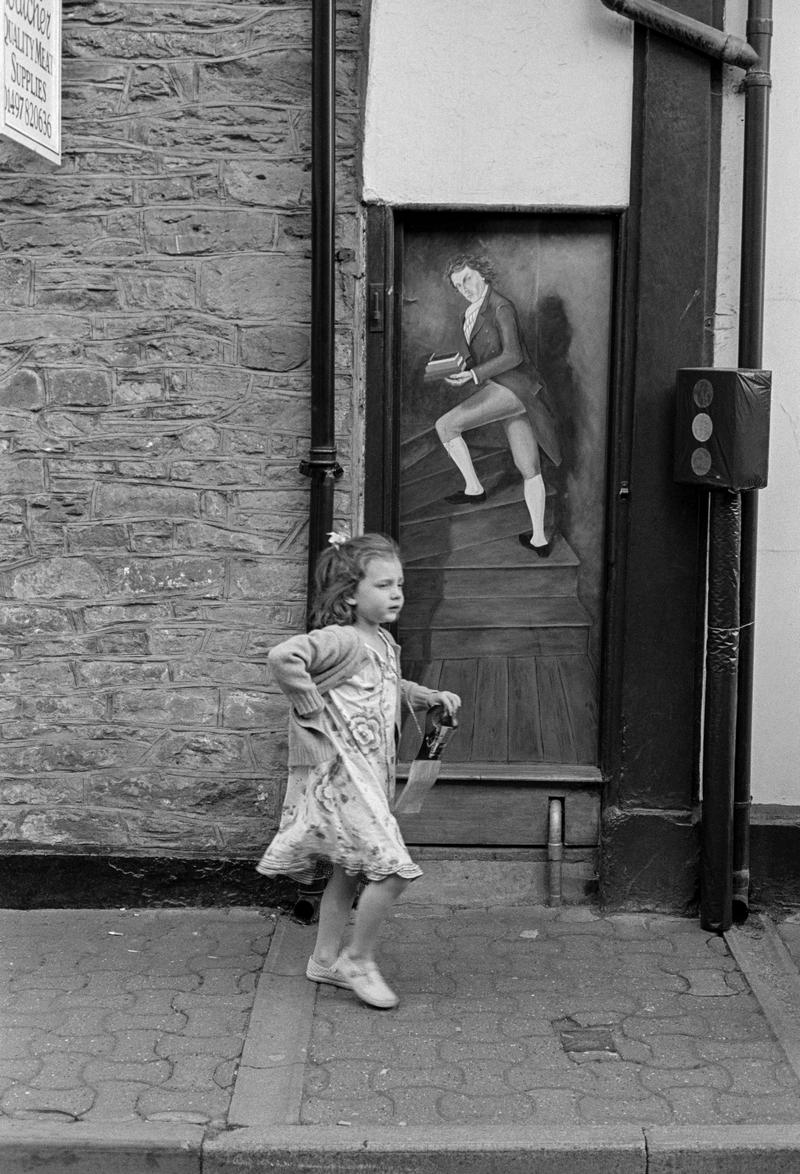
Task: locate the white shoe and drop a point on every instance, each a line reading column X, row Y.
column 366, row 981
column 329, row 975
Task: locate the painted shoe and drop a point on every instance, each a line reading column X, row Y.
column 366, row 981
column 542, row 551
column 329, row 975
column 465, row 498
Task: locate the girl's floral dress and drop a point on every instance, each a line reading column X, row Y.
column 339, row 810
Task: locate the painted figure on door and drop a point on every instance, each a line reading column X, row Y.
column 505, row 388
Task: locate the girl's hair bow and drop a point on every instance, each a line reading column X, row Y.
column 336, row 539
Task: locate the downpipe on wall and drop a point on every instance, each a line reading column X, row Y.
column 729, row 840
column 321, row 465
column 757, row 85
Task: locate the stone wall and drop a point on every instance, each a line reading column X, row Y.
column 154, row 392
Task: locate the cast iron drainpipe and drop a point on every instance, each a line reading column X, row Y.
column 757, row 84
column 752, row 55
column 322, row 466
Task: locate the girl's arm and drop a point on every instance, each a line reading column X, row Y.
column 296, row 661
column 418, row 697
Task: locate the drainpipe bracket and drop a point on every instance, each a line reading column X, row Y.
column 327, row 465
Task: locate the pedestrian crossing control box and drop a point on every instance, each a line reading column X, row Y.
column 722, row 427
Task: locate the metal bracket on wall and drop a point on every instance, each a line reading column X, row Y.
column 375, row 307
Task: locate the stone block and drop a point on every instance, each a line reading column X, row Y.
column 200, row 438
column 58, row 578
column 267, row 182
column 153, row 789
column 141, row 390
column 48, row 792
column 200, row 537
column 156, row 576
column 73, row 827
column 145, row 291
column 76, row 751
column 274, row 578
column 196, row 707
column 22, row 389
column 100, row 674
column 21, row 474
column 224, row 471
column 18, row 620
column 202, row 751
column 281, row 78
column 274, row 348
column 15, row 281
column 184, row 347
column 183, row 233
column 254, row 286
column 144, row 501
column 270, row 749
column 79, row 387
column 64, row 708
column 13, row 541
column 77, row 290
column 98, row 537
column 245, row 709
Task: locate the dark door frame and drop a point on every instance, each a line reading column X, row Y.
column 385, row 225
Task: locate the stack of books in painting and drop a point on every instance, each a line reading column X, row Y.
column 439, row 366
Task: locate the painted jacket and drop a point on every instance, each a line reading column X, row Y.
column 497, row 351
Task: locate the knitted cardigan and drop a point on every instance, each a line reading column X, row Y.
column 307, row 667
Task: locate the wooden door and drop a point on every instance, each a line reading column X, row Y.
column 516, row 630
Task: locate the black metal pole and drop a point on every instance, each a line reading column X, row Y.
column 751, row 325
column 321, row 466
column 719, row 743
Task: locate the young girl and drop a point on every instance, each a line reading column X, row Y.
column 343, row 681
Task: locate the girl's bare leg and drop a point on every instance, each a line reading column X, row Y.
column 373, row 907
column 334, row 913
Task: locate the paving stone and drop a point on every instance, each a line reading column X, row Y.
column 501, row 1110
column 173, row 1047
column 72, row 1102
column 116, row 1100
column 764, row 1109
column 155, row 1072
column 705, row 984
column 378, row 1110
column 436, row 1076
column 610, row 1110
column 212, row 1103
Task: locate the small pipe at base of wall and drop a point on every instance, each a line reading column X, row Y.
column 555, row 850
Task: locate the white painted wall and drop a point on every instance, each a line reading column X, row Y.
column 776, row 695
column 508, row 102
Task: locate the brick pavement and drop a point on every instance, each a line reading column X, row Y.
column 562, row 1018
column 126, row 1015
column 561, row 1038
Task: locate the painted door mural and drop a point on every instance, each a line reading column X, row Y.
column 505, row 335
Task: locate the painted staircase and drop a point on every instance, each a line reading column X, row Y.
column 489, row 619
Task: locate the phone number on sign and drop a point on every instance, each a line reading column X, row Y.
column 27, row 112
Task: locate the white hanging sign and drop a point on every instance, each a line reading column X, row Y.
column 30, row 71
